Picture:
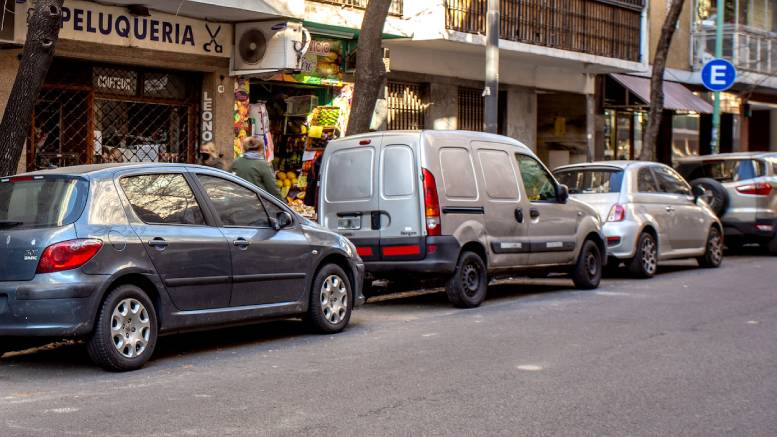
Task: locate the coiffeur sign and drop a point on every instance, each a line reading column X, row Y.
column 112, row 25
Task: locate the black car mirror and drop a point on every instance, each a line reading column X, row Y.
column 697, row 191
column 562, row 193
column 283, row 220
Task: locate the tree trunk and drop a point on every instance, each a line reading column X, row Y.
column 370, row 70
column 657, row 80
column 42, row 35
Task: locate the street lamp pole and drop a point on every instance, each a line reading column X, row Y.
column 491, row 92
column 715, row 142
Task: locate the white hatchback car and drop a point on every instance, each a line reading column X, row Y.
column 650, row 213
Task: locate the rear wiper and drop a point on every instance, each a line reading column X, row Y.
column 9, row 224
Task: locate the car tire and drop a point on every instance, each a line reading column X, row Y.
column 588, row 270
column 713, row 254
column 645, row 261
column 716, row 195
column 331, row 300
column 468, row 286
column 126, row 330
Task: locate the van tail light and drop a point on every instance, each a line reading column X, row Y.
column 617, row 213
column 68, row 255
column 431, row 205
column 756, row 189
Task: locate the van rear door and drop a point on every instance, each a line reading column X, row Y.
column 350, row 199
column 401, row 221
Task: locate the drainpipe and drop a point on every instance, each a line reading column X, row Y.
column 491, row 92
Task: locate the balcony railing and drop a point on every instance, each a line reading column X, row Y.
column 394, row 9
column 610, row 28
column 748, row 49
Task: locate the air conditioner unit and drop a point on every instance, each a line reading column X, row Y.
column 268, row 46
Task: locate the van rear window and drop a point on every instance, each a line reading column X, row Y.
column 349, row 175
column 41, row 201
column 591, row 181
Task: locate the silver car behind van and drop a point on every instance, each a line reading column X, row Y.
column 458, row 206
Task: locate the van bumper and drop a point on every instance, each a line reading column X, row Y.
column 442, row 254
column 50, row 305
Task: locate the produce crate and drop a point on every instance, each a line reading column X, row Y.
column 301, row 105
column 325, row 116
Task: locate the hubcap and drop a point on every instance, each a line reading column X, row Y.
column 592, row 265
column 130, row 328
column 649, row 256
column 715, row 246
column 470, row 279
column 334, row 299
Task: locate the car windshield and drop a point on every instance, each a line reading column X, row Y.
column 724, row 170
column 591, row 181
column 41, row 201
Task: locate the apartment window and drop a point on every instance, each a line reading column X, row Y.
column 406, row 105
column 470, row 109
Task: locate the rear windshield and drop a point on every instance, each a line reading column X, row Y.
column 724, row 170
column 591, row 181
column 41, row 201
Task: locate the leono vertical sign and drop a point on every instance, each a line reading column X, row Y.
column 206, row 132
column 113, row 25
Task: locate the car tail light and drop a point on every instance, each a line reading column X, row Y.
column 68, row 255
column 431, row 205
column 756, row 189
column 617, row 213
column 613, row 241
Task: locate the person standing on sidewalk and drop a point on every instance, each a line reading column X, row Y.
column 209, row 156
column 254, row 168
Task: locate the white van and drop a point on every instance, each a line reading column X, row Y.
column 456, row 205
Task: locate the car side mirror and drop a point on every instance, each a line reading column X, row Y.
column 283, row 220
column 562, row 193
column 697, row 191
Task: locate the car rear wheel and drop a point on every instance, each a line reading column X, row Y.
column 645, row 262
column 715, row 194
column 588, row 270
column 125, row 333
column 469, row 284
column 331, row 300
column 713, row 255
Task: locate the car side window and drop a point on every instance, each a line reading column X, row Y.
column 538, row 183
column 646, row 183
column 671, row 182
column 272, row 208
column 235, row 205
column 165, row 199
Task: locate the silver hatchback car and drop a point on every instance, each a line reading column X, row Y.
column 650, row 213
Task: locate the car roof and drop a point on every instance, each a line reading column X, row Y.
column 440, row 132
column 723, row 156
column 100, row 170
column 619, row 164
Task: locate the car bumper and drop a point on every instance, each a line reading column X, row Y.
column 621, row 238
column 51, row 305
column 358, row 286
column 760, row 229
column 441, row 256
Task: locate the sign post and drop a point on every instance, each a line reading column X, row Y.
column 717, row 75
column 719, row 11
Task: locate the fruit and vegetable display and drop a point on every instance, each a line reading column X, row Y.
column 325, row 116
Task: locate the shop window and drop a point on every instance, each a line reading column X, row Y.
column 685, row 136
column 162, row 199
column 470, row 113
column 623, row 133
column 406, row 106
column 59, row 130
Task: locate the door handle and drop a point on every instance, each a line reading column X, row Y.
column 534, row 213
column 241, row 243
column 519, row 215
column 158, row 243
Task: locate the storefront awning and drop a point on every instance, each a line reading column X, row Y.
column 676, row 96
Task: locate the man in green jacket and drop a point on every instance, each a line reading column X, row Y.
column 254, row 168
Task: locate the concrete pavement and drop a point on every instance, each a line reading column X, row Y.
column 690, row 352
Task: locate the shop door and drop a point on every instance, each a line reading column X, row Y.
column 60, row 129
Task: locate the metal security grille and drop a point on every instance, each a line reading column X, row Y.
column 406, row 106
column 96, row 114
column 470, row 109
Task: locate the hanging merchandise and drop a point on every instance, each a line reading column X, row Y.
column 242, row 124
column 260, row 128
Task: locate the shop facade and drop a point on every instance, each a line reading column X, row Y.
column 127, row 88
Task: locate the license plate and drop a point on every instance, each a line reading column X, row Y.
column 349, row 223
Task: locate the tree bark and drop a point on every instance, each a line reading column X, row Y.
column 370, row 70
column 38, row 52
column 657, row 80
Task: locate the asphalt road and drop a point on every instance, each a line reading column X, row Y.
column 690, row 352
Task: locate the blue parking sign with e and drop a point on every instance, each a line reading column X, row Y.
column 718, row 75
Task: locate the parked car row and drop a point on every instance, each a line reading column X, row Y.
column 120, row 254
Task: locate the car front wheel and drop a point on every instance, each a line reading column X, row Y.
column 588, row 270
column 125, row 333
column 331, row 300
column 713, row 254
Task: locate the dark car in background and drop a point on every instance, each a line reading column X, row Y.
column 742, row 189
column 119, row 254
